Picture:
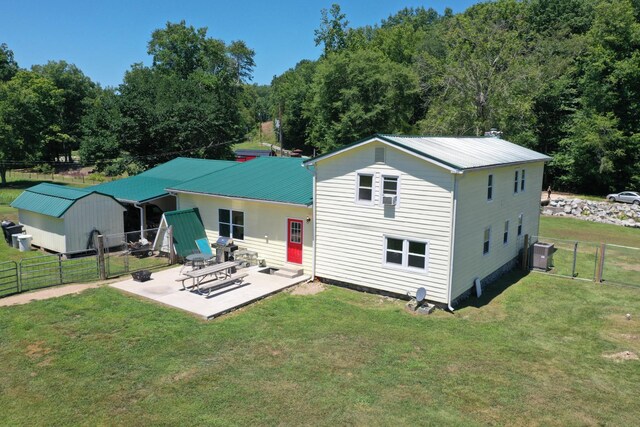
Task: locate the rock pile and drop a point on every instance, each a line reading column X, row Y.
column 603, row 212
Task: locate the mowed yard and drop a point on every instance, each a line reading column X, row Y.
column 536, row 349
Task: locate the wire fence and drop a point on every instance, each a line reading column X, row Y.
column 133, row 251
column 114, row 255
column 599, row 262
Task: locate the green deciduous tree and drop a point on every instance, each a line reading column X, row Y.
column 355, row 93
column 77, row 89
column 8, row 65
column 332, row 33
column 30, row 107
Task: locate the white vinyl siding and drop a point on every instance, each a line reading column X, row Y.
column 474, row 214
column 265, row 225
column 350, row 237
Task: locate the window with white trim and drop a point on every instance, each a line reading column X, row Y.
column 407, row 254
column 490, row 187
column 365, row 187
column 522, row 180
column 516, row 182
column 487, row 241
column 505, row 235
column 520, row 218
column 231, row 223
column 389, row 185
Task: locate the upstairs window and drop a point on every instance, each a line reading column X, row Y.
column 522, row 180
column 365, row 187
column 389, row 185
column 231, row 223
column 520, row 218
column 505, row 235
column 490, row 187
column 487, row 241
column 516, row 183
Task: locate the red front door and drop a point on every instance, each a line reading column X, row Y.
column 294, row 241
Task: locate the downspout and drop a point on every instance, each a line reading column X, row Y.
column 313, row 225
column 453, row 238
column 141, row 219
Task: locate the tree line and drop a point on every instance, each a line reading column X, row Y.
column 562, row 78
column 194, row 100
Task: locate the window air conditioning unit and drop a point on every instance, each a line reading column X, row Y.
column 389, row 200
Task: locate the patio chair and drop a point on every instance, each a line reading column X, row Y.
column 205, row 248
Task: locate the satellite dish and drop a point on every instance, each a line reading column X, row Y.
column 421, row 294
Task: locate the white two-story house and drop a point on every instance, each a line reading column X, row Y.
column 396, row 213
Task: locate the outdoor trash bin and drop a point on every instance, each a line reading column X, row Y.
column 141, row 276
column 24, row 242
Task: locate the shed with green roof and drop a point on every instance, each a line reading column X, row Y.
column 64, row 219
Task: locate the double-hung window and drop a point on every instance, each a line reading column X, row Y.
column 516, row 183
column 365, row 187
column 407, row 254
column 231, row 223
column 522, row 180
column 505, row 235
column 490, row 187
column 487, row 241
column 520, row 218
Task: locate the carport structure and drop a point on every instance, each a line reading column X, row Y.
column 145, row 195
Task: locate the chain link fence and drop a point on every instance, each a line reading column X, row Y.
column 604, row 263
column 621, row 265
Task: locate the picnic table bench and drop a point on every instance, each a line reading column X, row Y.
column 211, row 278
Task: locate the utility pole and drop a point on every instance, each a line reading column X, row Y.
column 280, row 129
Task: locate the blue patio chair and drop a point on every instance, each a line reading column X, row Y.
column 203, row 246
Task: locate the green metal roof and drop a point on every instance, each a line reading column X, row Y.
column 51, row 199
column 152, row 183
column 187, row 228
column 274, row 179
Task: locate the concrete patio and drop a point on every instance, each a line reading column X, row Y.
column 163, row 288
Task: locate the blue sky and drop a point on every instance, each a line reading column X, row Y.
column 103, row 38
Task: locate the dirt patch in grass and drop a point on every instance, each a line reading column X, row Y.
column 310, row 288
column 622, row 356
column 37, row 350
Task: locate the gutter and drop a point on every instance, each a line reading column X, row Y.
column 174, row 191
column 453, row 240
column 313, row 239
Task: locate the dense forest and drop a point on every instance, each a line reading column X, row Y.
column 560, row 77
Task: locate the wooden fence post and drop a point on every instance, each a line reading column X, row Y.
column 525, row 253
column 172, row 255
column 101, row 263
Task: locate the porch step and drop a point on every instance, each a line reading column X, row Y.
column 289, row 272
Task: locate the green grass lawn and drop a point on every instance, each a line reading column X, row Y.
column 532, row 351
